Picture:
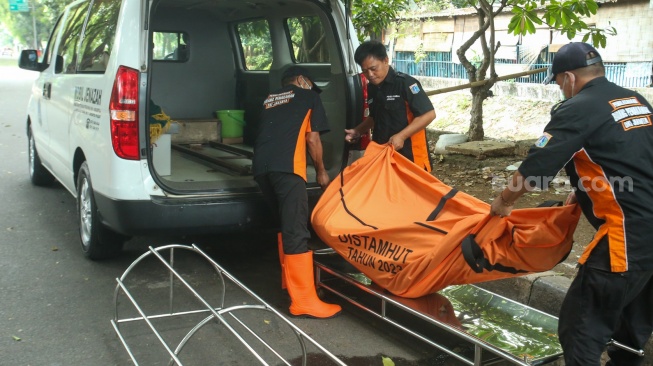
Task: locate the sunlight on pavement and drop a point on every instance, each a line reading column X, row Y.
column 14, row 73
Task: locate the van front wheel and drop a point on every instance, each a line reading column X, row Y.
column 98, row 241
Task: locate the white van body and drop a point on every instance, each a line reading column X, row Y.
column 110, row 65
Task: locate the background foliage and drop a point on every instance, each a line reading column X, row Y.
column 18, row 26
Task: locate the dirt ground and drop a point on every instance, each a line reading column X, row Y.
column 506, row 119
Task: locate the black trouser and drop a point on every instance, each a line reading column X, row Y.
column 600, row 306
column 286, row 195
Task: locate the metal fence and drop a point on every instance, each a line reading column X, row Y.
column 629, row 75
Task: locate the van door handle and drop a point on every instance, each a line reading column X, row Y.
column 47, row 90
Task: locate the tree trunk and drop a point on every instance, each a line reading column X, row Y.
column 476, row 133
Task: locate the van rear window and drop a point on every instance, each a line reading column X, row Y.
column 255, row 44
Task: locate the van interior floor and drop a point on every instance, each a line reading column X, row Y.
column 210, row 165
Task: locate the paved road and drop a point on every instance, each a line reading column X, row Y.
column 56, row 306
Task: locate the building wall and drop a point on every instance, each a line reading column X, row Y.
column 634, row 23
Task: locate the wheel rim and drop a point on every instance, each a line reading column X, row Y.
column 31, row 152
column 85, row 214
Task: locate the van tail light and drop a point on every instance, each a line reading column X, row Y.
column 123, row 109
column 365, row 137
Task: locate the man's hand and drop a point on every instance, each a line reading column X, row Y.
column 500, row 207
column 352, row 136
column 397, row 141
column 503, row 204
column 323, row 179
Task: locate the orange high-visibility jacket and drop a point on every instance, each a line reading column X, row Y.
column 413, row 235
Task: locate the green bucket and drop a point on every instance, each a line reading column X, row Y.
column 233, row 122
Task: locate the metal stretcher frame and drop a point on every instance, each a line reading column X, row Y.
column 218, row 313
column 485, row 353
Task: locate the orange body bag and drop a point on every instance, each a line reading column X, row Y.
column 413, row 235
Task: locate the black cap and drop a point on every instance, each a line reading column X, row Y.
column 572, row 56
column 297, row 71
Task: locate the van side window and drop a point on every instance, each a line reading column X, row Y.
column 47, row 55
column 71, row 33
column 171, row 46
column 99, row 34
column 255, row 44
column 308, row 40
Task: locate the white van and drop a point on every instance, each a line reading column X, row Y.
column 123, row 113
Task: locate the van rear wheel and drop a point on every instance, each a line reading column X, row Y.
column 98, row 241
column 38, row 175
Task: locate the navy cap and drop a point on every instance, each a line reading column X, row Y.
column 572, row 56
column 297, row 71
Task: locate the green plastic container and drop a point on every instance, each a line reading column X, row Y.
column 233, row 122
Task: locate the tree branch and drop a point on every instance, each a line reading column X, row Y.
column 483, row 26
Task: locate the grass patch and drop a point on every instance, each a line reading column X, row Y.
column 463, row 102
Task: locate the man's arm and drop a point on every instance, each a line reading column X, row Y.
column 355, row 133
column 419, row 123
column 314, row 145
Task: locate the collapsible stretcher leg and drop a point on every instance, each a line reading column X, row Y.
column 228, row 317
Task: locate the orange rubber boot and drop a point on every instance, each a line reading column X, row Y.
column 281, row 261
column 301, row 287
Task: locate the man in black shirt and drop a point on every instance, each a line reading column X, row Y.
column 603, row 136
column 399, row 109
column 292, row 120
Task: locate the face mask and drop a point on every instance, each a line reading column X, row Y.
column 306, row 85
column 562, row 90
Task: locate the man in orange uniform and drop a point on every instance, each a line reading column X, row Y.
column 292, row 120
column 399, row 108
column 602, row 134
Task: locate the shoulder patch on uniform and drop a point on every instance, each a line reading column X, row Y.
column 543, row 140
column 414, row 88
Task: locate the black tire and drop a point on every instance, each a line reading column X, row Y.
column 98, row 241
column 39, row 176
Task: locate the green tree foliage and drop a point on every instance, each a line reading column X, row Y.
column 20, row 25
column 564, row 16
column 371, row 17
